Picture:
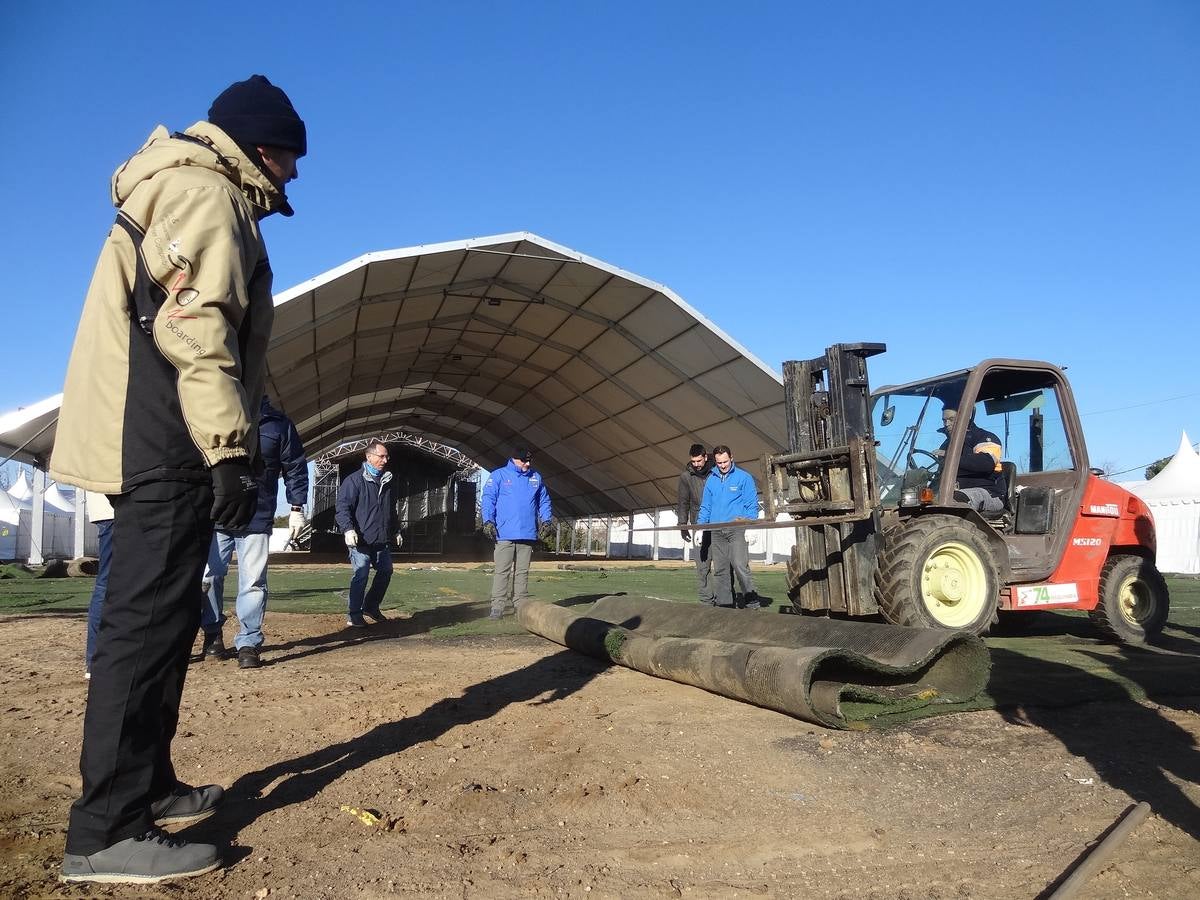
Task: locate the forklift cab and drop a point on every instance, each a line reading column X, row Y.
column 1029, row 407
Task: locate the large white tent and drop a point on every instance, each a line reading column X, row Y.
column 1173, row 496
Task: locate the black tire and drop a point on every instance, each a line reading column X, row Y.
column 1134, row 601
column 938, row 572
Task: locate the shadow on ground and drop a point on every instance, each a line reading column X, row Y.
column 303, row 777
column 1149, row 750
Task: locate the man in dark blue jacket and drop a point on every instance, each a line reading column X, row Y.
column 516, row 511
column 367, row 517
column 281, row 453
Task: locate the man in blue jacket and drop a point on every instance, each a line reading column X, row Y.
column 282, row 453
column 367, row 517
column 516, row 511
column 730, row 495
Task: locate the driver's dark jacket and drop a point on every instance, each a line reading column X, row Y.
column 979, row 469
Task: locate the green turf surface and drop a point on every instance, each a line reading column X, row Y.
column 1057, row 661
column 460, row 595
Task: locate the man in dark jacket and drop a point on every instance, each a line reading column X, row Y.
column 978, row 476
column 281, row 453
column 687, row 508
column 367, row 517
column 159, row 412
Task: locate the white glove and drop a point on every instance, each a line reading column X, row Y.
column 296, row 520
column 351, row 538
column 399, row 539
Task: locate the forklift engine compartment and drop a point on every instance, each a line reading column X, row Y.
column 872, row 478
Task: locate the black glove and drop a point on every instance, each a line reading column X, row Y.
column 546, row 531
column 489, row 530
column 235, row 494
column 685, row 534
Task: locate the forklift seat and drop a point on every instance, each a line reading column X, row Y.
column 1009, row 471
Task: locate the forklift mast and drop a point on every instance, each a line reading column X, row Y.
column 827, row 479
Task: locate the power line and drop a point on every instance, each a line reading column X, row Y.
column 1097, row 412
column 1195, row 446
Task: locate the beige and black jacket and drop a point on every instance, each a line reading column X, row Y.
column 169, row 361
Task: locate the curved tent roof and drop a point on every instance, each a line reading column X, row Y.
column 477, row 344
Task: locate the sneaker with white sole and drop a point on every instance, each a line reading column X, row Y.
column 187, row 804
column 355, row 621
column 154, row 856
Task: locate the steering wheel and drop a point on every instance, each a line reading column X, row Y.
column 937, row 460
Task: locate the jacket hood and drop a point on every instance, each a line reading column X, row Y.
column 267, row 411
column 205, row 146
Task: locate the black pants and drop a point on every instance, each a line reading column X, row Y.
column 160, row 539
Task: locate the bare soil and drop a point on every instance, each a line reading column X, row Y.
column 505, row 767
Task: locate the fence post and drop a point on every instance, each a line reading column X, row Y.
column 37, row 521
column 80, row 522
column 629, row 537
column 654, row 544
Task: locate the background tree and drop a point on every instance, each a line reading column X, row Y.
column 1157, row 466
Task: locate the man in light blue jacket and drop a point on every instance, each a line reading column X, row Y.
column 516, row 511
column 730, row 495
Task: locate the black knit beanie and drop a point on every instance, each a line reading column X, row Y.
column 255, row 113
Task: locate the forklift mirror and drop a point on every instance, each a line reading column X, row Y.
column 889, row 413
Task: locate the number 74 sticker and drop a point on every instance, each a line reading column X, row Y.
column 1047, row 594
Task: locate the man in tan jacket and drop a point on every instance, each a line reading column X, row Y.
column 159, row 411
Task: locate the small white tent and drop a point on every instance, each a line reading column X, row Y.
column 21, row 489
column 1173, row 496
column 59, row 502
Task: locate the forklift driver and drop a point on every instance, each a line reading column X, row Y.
column 979, row 480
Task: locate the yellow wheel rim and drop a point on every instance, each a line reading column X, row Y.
column 1134, row 600
column 954, row 585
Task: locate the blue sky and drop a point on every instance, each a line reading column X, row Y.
column 959, row 180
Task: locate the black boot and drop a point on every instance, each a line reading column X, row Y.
column 214, row 646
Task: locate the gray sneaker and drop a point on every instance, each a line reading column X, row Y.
column 155, row 856
column 186, row 804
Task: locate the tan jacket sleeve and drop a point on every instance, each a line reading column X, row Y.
column 202, row 250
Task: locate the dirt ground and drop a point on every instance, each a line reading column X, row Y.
column 504, row 767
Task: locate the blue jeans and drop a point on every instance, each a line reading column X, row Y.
column 104, row 533
column 252, row 586
column 362, row 558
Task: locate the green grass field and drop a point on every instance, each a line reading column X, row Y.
column 322, row 589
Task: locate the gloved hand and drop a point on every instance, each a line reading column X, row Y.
column 235, row 494
column 546, row 530
column 399, row 539
column 685, row 534
column 296, row 519
column 489, row 529
column 351, row 538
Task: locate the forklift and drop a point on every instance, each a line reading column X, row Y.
column 883, row 528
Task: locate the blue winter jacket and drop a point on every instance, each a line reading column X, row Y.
column 728, row 497
column 281, row 453
column 516, row 501
column 364, row 504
